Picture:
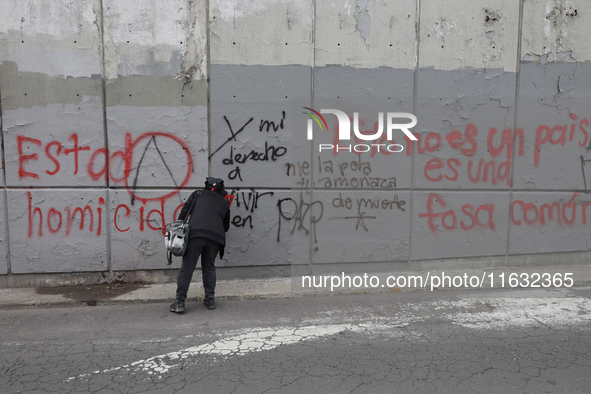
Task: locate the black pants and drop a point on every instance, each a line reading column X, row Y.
column 196, row 247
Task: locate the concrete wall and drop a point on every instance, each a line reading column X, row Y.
column 113, row 111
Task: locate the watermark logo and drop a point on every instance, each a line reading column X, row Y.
column 310, row 124
column 344, row 130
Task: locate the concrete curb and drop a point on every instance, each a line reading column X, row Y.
column 14, row 298
column 249, row 289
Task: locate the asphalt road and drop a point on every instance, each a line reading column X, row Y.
column 527, row 341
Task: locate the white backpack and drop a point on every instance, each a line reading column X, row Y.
column 177, row 235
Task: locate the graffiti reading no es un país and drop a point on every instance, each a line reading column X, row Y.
column 493, row 170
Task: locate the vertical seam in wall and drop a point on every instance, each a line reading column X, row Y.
column 415, row 84
column 7, row 237
column 2, row 139
column 106, row 138
column 515, row 119
column 313, row 50
column 311, row 187
column 5, row 192
column 208, row 81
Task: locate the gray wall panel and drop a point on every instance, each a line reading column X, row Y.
column 137, row 238
column 549, row 222
column 250, row 122
column 452, row 224
column 553, row 111
column 263, row 224
column 57, row 230
column 3, row 236
column 357, row 226
column 382, row 82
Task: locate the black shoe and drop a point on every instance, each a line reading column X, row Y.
column 178, row 306
column 209, row 303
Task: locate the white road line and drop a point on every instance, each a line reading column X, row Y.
column 238, row 345
column 498, row 314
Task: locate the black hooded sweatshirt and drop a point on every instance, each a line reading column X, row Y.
column 210, row 218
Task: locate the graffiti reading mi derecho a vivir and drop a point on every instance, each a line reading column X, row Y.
column 268, row 153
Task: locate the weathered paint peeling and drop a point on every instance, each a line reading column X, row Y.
column 553, row 31
column 363, row 19
column 111, row 59
column 194, row 57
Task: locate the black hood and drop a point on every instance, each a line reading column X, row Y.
column 213, row 181
column 217, row 184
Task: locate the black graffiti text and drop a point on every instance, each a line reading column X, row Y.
column 249, row 202
column 302, row 216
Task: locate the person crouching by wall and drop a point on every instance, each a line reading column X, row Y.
column 208, row 224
